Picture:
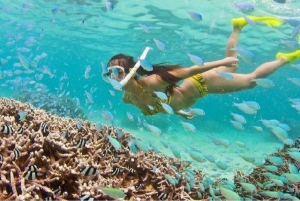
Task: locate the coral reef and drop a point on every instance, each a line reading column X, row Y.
column 60, row 105
column 53, row 157
column 43, row 156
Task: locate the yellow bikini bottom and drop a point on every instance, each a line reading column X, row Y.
column 199, row 84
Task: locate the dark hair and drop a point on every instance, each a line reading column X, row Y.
column 161, row 69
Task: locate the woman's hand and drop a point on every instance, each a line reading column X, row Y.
column 188, row 115
column 230, row 62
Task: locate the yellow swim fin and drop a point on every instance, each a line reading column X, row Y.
column 290, row 57
column 268, row 20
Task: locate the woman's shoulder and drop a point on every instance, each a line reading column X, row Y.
column 153, row 79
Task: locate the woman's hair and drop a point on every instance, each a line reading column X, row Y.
column 162, row 69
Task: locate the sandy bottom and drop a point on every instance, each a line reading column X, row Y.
column 256, row 144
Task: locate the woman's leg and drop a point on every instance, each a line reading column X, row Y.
column 219, row 85
column 232, row 42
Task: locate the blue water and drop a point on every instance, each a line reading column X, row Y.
column 71, row 45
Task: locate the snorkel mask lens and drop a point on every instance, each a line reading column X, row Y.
column 116, row 72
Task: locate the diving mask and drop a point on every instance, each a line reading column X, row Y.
column 118, row 72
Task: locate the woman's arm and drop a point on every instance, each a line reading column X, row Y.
column 193, row 70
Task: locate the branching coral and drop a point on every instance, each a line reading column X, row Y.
column 52, row 160
column 55, row 158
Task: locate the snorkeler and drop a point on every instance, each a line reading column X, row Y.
column 142, row 87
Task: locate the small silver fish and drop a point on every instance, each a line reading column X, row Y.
column 146, row 65
column 145, row 28
column 109, row 6
column 195, row 15
column 195, row 59
column 250, row 21
column 188, row 126
column 264, row 82
column 237, row 125
column 161, row 95
column 226, row 75
column 160, row 45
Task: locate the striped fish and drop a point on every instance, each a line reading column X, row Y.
column 162, row 196
column 20, row 130
column 6, row 130
column 33, row 168
column 131, row 171
column 139, row 186
column 80, row 143
column 116, row 170
column 45, row 129
column 86, row 197
column 30, row 175
column 105, row 152
column 16, row 154
column 50, row 198
column 57, row 191
column 89, row 170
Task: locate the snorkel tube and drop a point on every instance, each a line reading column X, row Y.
column 135, row 67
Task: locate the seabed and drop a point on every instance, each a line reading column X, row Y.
column 46, row 157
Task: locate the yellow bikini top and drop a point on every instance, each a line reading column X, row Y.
column 157, row 107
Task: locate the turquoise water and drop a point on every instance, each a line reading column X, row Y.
column 71, row 44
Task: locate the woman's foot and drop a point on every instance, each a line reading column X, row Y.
column 270, row 21
column 289, row 57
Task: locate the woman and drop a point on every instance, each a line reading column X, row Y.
column 197, row 80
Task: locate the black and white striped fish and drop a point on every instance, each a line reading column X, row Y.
column 20, row 130
column 80, row 143
column 162, row 196
column 131, row 171
column 33, row 168
column 16, row 154
column 6, row 129
column 139, row 186
column 57, row 191
column 86, row 197
column 30, row 175
column 116, row 170
column 105, row 152
column 50, row 198
column 45, row 129
column 89, row 170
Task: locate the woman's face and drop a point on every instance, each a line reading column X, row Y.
column 116, row 73
column 120, row 67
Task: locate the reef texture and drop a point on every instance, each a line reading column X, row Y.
column 60, row 105
column 44, row 156
column 50, row 147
